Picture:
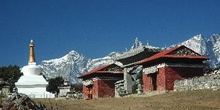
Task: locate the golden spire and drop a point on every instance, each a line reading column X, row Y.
column 31, row 52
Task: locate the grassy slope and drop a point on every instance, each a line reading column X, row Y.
column 191, row 100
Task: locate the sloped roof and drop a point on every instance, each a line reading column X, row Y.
column 101, row 70
column 131, row 57
column 168, row 54
column 136, row 51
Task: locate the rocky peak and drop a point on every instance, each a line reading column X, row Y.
column 136, row 44
column 215, row 37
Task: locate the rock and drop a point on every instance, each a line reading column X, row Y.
column 21, row 102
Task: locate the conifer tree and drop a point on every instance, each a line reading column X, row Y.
column 10, row 74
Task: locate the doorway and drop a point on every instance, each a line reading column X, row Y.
column 90, row 91
column 153, row 77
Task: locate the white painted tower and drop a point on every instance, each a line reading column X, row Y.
column 32, row 82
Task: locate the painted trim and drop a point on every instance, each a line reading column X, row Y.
column 153, row 69
column 90, row 81
column 87, row 82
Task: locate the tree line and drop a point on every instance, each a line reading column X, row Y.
column 9, row 75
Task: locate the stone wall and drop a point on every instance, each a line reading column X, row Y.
column 210, row 81
column 119, row 88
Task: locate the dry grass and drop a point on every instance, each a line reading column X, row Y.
column 191, row 100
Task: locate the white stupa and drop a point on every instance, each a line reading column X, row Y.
column 32, row 82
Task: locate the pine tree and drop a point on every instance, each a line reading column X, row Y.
column 10, row 74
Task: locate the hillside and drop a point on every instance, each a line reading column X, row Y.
column 188, row 100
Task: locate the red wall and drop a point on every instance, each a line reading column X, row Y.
column 161, row 79
column 101, row 89
column 106, row 88
column 95, row 89
column 85, row 92
column 174, row 73
column 167, row 75
column 146, row 83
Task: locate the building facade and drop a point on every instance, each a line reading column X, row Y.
column 99, row 83
column 159, row 70
column 162, row 69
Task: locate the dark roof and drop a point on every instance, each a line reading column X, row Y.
column 100, row 70
column 167, row 54
column 135, row 55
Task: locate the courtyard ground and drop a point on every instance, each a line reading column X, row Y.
column 187, row 100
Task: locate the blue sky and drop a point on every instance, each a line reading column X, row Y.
column 95, row 28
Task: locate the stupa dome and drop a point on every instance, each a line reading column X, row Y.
column 31, row 69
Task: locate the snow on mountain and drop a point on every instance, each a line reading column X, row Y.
column 215, row 41
column 136, row 48
column 208, row 47
column 139, row 44
column 71, row 66
column 197, row 43
column 136, row 44
column 94, row 63
column 74, row 64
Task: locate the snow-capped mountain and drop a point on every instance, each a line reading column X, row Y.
column 209, row 47
column 74, row 64
column 71, row 66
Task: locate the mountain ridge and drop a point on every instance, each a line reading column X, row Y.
column 73, row 64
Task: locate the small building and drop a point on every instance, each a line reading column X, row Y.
column 99, row 82
column 64, row 89
column 162, row 69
